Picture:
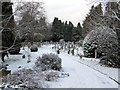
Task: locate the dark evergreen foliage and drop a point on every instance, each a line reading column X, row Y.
column 104, row 41
column 93, row 19
column 8, row 20
column 66, row 31
column 10, row 42
column 57, row 30
column 89, row 49
column 16, row 47
column 80, row 30
column 109, row 51
column 77, row 33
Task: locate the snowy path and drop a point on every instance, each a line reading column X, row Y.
column 81, row 76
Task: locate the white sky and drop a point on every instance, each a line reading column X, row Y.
column 70, row 10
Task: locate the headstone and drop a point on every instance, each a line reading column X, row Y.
column 72, row 51
column 28, row 61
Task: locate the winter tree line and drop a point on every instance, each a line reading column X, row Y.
column 65, row 31
column 100, row 30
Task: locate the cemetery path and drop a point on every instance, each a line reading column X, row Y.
column 80, row 76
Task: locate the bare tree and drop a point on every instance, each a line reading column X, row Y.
column 32, row 22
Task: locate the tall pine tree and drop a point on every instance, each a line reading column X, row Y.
column 57, row 29
column 80, row 31
column 77, row 33
column 68, row 31
column 93, row 19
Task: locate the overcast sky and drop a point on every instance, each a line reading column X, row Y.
column 70, row 10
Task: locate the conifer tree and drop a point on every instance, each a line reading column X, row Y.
column 65, row 31
column 68, row 31
column 79, row 28
column 57, row 29
column 75, row 35
column 54, row 29
column 8, row 34
column 8, row 20
column 93, row 19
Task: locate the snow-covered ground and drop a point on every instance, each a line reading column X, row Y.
column 81, row 75
column 15, row 61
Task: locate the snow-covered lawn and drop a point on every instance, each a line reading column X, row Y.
column 81, row 75
column 15, row 61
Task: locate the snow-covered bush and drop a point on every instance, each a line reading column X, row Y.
column 104, row 40
column 34, row 48
column 51, row 75
column 25, row 78
column 30, row 79
column 49, row 61
column 17, row 77
column 89, row 49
